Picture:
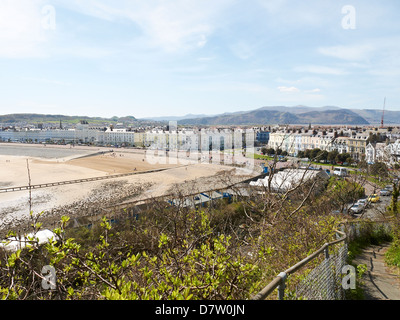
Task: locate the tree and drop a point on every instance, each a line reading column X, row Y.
column 300, row 154
column 379, row 169
column 395, row 195
column 332, row 156
column 314, row 153
column 322, row 155
column 264, row 150
column 271, row 151
column 223, row 251
column 342, row 157
column 349, row 160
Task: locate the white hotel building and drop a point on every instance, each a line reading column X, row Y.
column 156, row 138
column 293, row 142
column 81, row 134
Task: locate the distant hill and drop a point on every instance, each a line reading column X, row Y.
column 374, row 117
column 283, row 115
column 53, row 118
column 269, row 115
column 177, row 118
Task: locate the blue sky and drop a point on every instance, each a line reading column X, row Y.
column 173, row 57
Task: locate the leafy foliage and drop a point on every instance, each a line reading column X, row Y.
column 224, row 251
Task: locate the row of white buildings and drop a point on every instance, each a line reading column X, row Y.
column 293, row 142
column 383, row 152
column 182, row 139
column 352, row 142
column 81, row 134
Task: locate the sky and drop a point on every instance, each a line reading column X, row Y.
column 148, row 58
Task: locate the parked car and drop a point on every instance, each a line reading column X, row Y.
column 356, row 208
column 364, row 202
column 373, row 198
column 389, row 187
column 341, row 172
column 385, row 192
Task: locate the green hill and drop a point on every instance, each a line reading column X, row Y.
column 55, row 118
column 267, row 116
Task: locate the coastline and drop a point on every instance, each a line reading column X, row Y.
column 14, row 206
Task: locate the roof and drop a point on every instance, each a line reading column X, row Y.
column 13, row 244
column 192, row 201
column 284, row 180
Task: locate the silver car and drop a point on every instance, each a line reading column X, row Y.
column 356, row 208
column 363, row 202
column 385, row 192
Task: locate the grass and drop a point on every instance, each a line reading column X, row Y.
column 259, row 156
column 392, row 256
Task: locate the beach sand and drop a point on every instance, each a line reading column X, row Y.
column 14, row 206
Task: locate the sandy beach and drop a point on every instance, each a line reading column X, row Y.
column 14, row 206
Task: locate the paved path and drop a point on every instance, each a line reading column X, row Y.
column 379, row 282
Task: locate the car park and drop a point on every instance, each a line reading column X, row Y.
column 373, row 198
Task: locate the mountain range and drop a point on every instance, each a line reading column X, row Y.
column 302, row 115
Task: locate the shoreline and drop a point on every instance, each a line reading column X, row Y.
column 14, row 206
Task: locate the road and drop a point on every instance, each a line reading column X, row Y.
column 378, row 282
column 375, row 211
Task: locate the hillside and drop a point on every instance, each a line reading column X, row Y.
column 32, row 118
column 375, row 116
column 268, row 116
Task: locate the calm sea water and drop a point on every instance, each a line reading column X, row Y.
column 40, row 151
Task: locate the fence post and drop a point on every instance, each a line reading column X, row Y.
column 326, row 251
column 329, row 271
column 282, row 285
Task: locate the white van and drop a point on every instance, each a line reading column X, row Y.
column 341, row 172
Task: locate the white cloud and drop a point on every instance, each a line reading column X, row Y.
column 205, row 59
column 316, row 90
column 171, row 25
column 242, row 50
column 289, row 89
column 320, row 70
column 22, row 31
column 286, row 15
column 361, row 52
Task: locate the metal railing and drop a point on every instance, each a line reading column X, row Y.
column 280, row 280
column 324, row 281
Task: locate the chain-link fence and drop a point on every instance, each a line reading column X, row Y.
column 325, row 281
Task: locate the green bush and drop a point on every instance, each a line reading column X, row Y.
column 392, row 256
